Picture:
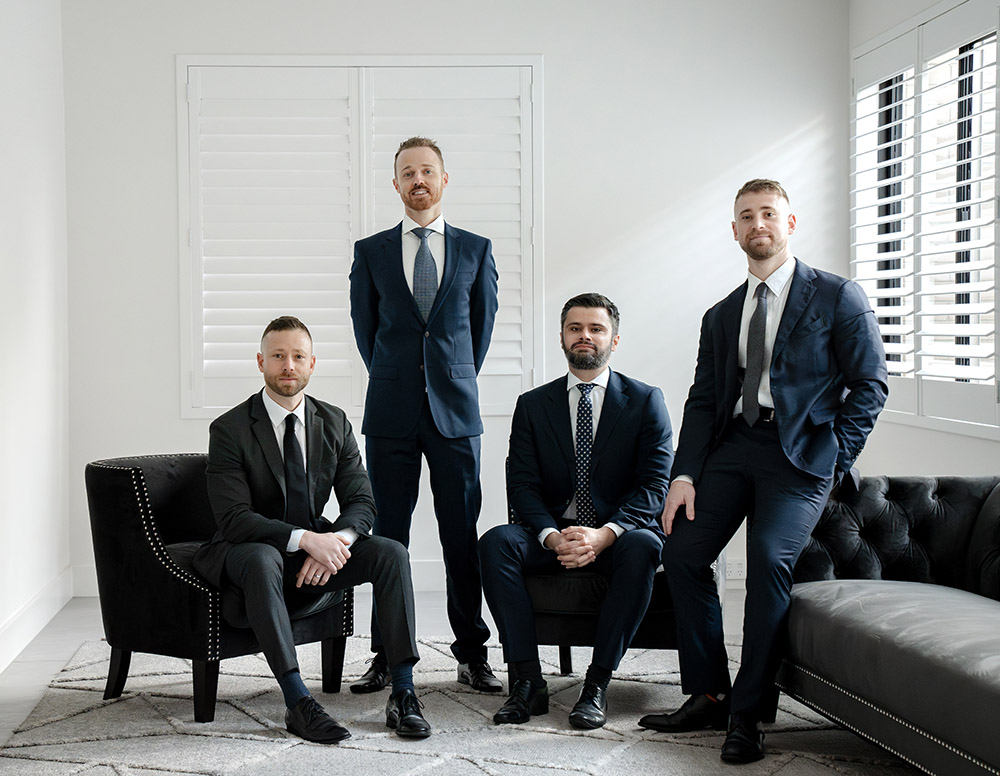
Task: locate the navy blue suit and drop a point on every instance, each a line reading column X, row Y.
column 777, row 473
column 630, row 470
column 423, row 399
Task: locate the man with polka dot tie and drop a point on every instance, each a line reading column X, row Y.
column 588, row 467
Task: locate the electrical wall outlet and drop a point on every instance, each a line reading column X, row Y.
column 736, row 569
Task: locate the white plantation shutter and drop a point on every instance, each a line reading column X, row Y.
column 480, row 117
column 924, row 213
column 285, row 166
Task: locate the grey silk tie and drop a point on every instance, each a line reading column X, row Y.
column 425, row 279
column 586, row 515
column 755, row 357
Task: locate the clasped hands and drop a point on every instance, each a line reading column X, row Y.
column 578, row 546
column 326, row 555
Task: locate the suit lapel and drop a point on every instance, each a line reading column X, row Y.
column 264, row 432
column 615, row 401
column 452, row 258
column 730, row 319
column 799, row 294
column 392, row 262
column 314, row 449
column 558, row 416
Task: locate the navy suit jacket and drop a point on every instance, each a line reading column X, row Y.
column 403, row 354
column 246, row 479
column 827, row 341
column 629, row 464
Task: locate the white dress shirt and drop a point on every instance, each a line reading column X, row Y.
column 600, row 384
column 435, row 241
column 277, row 414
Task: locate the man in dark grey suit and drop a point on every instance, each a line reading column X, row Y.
column 272, row 464
column 790, row 378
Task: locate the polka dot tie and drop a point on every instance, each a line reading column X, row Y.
column 586, row 515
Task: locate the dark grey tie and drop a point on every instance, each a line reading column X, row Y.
column 755, row 357
column 425, row 279
column 586, row 515
column 296, row 487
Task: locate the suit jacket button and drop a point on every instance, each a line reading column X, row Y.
column 421, row 367
column 427, row 334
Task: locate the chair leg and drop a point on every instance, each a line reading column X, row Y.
column 565, row 659
column 206, row 688
column 333, row 663
column 117, row 672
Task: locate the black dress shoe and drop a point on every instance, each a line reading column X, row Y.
column 402, row 713
column 375, row 678
column 744, row 742
column 525, row 699
column 698, row 713
column 479, row 676
column 308, row 720
column 590, row 712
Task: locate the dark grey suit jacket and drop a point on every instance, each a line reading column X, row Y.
column 246, row 479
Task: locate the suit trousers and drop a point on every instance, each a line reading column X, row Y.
column 394, row 469
column 266, row 578
column 508, row 552
column 746, row 475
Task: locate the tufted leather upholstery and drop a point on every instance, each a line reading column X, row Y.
column 894, row 625
column 148, row 514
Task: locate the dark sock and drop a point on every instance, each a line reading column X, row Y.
column 292, row 688
column 402, row 678
column 599, row 676
column 526, row 669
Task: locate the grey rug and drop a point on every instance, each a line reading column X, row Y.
column 150, row 731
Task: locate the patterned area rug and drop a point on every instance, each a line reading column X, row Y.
column 150, row 731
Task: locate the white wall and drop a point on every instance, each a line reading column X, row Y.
column 35, row 575
column 896, row 448
column 655, row 112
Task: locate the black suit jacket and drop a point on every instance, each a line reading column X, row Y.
column 407, row 358
column 630, row 459
column 828, row 375
column 246, row 479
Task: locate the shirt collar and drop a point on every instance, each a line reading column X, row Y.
column 775, row 282
column 437, row 225
column 276, row 413
column 601, row 379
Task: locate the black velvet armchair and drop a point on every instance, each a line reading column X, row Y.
column 148, row 515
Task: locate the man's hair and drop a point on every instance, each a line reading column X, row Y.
column 762, row 184
column 286, row 323
column 592, row 300
column 417, row 142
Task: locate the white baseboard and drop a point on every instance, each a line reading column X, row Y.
column 26, row 623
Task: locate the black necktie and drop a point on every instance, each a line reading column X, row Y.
column 755, row 357
column 296, row 487
column 586, row 515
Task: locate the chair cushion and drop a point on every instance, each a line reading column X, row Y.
column 927, row 653
column 233, row 606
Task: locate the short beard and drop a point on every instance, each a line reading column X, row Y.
column 587, row 361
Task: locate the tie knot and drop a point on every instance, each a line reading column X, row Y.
column 585, row 389
column 422, row 232
column 289, row 422
column 761, row 292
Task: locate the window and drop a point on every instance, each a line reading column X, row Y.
column 285, row 164
column 924, row 213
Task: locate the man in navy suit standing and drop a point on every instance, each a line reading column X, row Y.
column 423, row 302
column 790, row 379
column 588, row 469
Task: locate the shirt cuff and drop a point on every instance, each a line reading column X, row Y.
column 614, row 527
column 683, row 478
column 349, row 535
column 544, row 535
column 294, row 538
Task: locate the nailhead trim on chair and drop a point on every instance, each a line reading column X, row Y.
column 156, row 544
column 864, row 734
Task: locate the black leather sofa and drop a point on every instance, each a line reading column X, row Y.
column 894, row 627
